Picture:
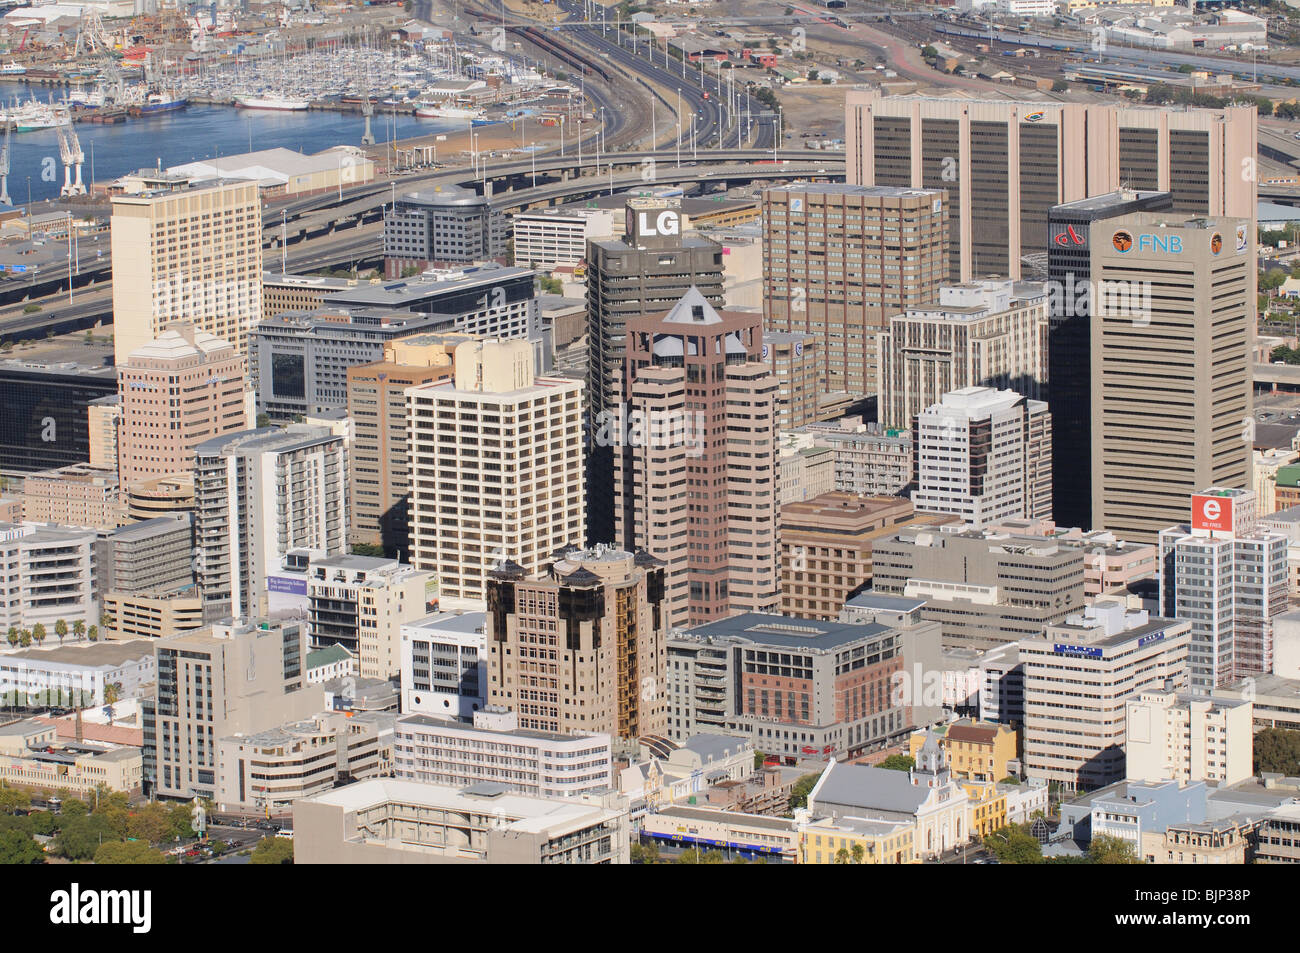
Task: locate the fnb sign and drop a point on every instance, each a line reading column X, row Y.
column 1124, row 241
column 1212, row 512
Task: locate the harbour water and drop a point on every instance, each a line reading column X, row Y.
column 195, row 132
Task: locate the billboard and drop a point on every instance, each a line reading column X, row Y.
column 1212, row 512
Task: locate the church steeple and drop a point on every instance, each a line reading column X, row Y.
column 931, row 763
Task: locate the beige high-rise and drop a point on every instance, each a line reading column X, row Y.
column 1173, row 317
column 379, row 463
column 496, row 466
column 1006, row 163
column 193, row 254
column 181, row 389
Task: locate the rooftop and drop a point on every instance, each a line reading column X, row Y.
column 92, row 654
column 788, row 631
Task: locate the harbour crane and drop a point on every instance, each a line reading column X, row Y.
column 4, row 167
column 70, row 152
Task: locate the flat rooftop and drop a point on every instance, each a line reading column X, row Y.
column 788, row 631
column 90, row 654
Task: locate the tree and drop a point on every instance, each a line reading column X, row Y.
column 38, row 632
column 712, row 857
column 552, row 286
column 17, row 847
column 928, row 52
column 93, row 633
column 842, row 855
column 219, row 847
column 263, row 420
column 13, row 636
column 1272, row 279
column 61, row 629
column 689, row 856
column 802, row 788
column 112, row 693
column 1013, row 845
column 12, row 799
column 367, row 549
column 1106, row 849
column 151, row 823
column 79, row 628
column 128, row 852
column 759, row 760
column 1060, row 86
column 80, row 837
column 859, row 853
column 273, row 850
column 1277, row 750
column 898, row 762
column 25, row 639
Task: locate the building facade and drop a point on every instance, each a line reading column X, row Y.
column 192, row 253
column 841, row 259
column 496, row 467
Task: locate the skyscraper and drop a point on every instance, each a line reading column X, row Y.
column 695, row 459
column 495, row 466
column 1006, row 163
column 192, row 254
column 840, row 259
column 646, row 271
column 1172, row 321
column 379, row 461
column 1227, row 576
column 581, row 647
column 179, row 390
column 1069, row 352
column 439, row 227
column 257, row 495
column 990, row 333
column 984, row 455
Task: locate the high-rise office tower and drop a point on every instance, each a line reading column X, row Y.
column 840, row 259
column 234, row 677
column 984, row 455
column 187, row 254
column 379, row 462
column 581, row 647
column 177, row 391
column 495, row 466
column 1227, row 576
column 1079, row 674
column 695, row 461
column 257, row 495
column 1006, row 163
column 990, row 333
column 646, row 271
column 1172, row 322
column 1069, row 351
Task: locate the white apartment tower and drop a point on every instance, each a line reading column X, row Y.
column 496, row 467
column 1228, row 578
column 984, row 455
column 257, row 495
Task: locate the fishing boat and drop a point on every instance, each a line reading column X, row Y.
column 272, row 102
column 432, row 111
column 12, row 69
column 162, row 103
column 31, row 116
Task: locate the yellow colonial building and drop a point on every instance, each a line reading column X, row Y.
column 857, row 840
column 976, row 750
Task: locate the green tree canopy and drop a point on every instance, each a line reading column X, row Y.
column 898, row 762
column 128, row 852
column 1012, row 845
column 17, row 847
column 1106, row 849
column 802, row 788
column 1277, row 750
column 273, row 850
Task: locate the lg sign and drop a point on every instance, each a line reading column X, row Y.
column 1212, row 513
column 666, row 222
